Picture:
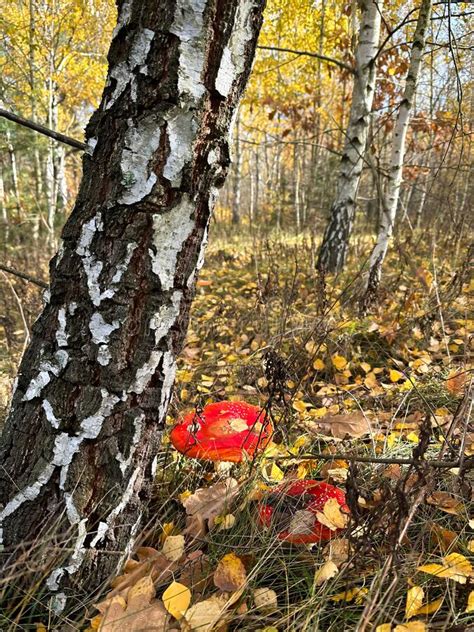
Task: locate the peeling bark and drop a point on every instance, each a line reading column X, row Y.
column 93, row 387
column 334, row 247
column 392, row 195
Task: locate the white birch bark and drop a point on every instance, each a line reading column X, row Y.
column 391, row 198
column 333, row 252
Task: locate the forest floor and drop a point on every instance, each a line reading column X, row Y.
column 391, row 387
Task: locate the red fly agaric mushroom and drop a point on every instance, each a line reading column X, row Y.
column 292, row 511
column 223, row 431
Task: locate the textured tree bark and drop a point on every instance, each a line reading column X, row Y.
column 392, row 195
column 334, row 247
column 78, row 450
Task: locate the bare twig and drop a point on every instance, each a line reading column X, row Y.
column 62, row 138
column 23, row 275
column 329, row 60
column 437, row 463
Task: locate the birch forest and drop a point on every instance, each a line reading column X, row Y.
column 236, row 326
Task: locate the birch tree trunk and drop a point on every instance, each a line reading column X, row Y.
column 392, row 195
column 78, row 451
column 334, row 247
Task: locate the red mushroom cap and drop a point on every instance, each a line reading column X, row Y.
column 313, row 496
column 223, row 431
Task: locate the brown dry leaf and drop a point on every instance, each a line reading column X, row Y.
column 302, row 523
column 353, row 425
column 230, row 574
column 445, row 502
column 325, row 572
column 204, row 616
column 443, row 538
column 332, row 516
column 415, row 596
column 456, row 381
column 210, row 502
column 337, row 550
column 454, row 566
column 139, row 612
column 393, row 472
column 150, row 562
column 265, row 600
column 196, row 573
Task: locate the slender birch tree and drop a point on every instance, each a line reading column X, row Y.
column 397, row 155
column 78, row 451
column 334, row 247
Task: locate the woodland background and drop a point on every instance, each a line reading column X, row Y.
column 405, row 360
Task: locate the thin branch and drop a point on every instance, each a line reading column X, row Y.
column 23, row 275
column 62, row 138
column 370, row 459
column 329, row 60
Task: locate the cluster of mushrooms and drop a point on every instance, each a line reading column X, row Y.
column 237, row 431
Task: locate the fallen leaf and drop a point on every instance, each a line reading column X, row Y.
column 265, row 600
column 470, row 602
column 302, row 523
column 432, row 606
column 415, row 596
column 210, row 502
column 272, row 473
column 337, row 550
column 339, row 362
column 150, row 562
column 332, row 516
column 325, row 572
column 456, row 381
column 140, row 611
column 173, row 547
column 454, row 566
column 353, row 425
column 384, row 627
column 176, row 599
column 412, row 626
column 445, row 502
column 353, row 594
column 204, row 615
column 395, row 375
column 230, row 574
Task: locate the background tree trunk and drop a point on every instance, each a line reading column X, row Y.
column 333, row 252
column 392, row 196
column 79, row 446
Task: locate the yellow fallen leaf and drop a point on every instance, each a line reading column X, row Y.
column 454, row 566
column 225, row 522
column 412, row 626
column 173, row 547
column 470, row 602
column 300, row 406
column 353, row 594
column 339, row 362
column 265, row 599
column 272, row 473
column 166, row 531
column 384, row 627
column 395, row 375
column 332, row 516
column 325, row 572
column 415, row 596
column 432, row 606
column 176, row 599
column 230, row 574
column 470, row 546
column 318, row 364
